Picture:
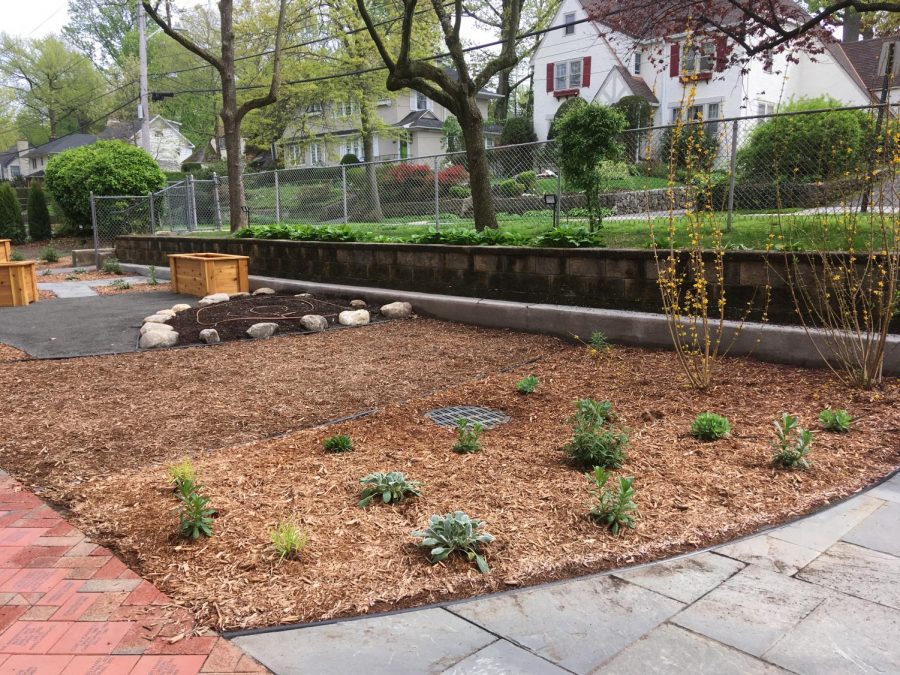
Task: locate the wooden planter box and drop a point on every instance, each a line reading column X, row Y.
column 5, row 250
column 207, row 273
column 17, row 284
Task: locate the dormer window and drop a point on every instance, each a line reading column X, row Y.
column 568, row 75
column 421, row 101
column 637, row 63
column 569, row 23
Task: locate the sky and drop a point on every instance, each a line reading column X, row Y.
column 34, row 18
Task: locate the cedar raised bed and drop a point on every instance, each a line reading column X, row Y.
column 207, row 273
column 17, row 284
column 5, row 250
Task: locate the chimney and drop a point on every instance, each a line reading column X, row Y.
column 851, row 25
column 22, row 147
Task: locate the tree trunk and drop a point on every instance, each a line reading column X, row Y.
column 373, row 213
column 231, row 128
column 472, row 125
column 501, row 109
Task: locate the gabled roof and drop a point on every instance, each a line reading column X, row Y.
column 420, row 119
column 203, row 155
column 864, row 56
column 8, row 156
column 60, row 144
column 126, row 131
column 637, row 85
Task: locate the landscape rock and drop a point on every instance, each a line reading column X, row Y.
column 358, row 304
column 156, row 339
column 236, row 296
column 261, row 331
column 180, row 308
column 210, row 336
column 149, row 326
column 264, row 291
column 166, row 312
column 213, row 299
column 360, row 317
column 156, row 318
column 397, row 310
column 314, row 322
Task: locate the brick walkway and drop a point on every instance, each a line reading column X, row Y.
column 70, row 607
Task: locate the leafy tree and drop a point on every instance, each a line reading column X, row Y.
column 808, row 147
column 104, row 168
column 453, row 140
column 561, row 111
column 11, row 225
column 38, row 216
column 517, row 130
column 637, row 111
column 588, row 135
column 100, row 28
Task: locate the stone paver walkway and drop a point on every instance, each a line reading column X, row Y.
column 69, row 607
column 818, row 596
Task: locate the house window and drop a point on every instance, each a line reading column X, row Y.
column 344, row 108
column 568, row 75
column 569, row 23
column 315, row 153
column 354, row 147
column 314, row 108
column 33, row 163
column 763, row 108
column 421, row 101
column 712, row 117
column 709, row 112
column 295, row 154
column 637, row 63
column 14, row 171
column 700, row 58
column 488, row 142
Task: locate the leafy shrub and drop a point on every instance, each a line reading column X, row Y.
column 468, row 437
column 509, row 187
column 152, row 280
column 595, row 442
column 610, row 170
column 181, row 472
column 455, row 532
column 11, row 223
column 120, row 284
column 339, row 443
column 38, row 215
column 104, row 168
column 288, row 539
column 614, row 507
column 517, row 130
column 350, row 158
column 527, row 385
column 50, row 255
column 565, row 107
column 112, row 266
column 708, row 426
column 392, row 487
column 835, row 420
column 791, row 444
column 693, row 146
column 407, row 182
column 637, row 111
column 569, row 236
column 195, row 516
column 451, row 177
column 529, row 180
column 459, row 191
column 599, row 341
column 16, row 256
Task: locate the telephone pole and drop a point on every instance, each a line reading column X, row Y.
column 145, row 102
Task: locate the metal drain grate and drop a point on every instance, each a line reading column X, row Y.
column 488, row 418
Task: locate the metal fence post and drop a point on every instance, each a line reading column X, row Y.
column 344, row 189
column 558, row 206
column 277, row 199
column 218, row 213
column 192, row 211
column 96, row 231
column 437, row 194
column 152, row 214
column 732, row 170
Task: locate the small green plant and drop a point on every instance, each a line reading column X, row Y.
column 182, row 471
column 16, row 256
column 468, row 437
column 455, row 532
column 152, row 281
column 527, row 385
column 50, row 255
column 595, row 442
column 112, row 266
column 339, row 443
column 393, row 486
column 288, row 539
column 614, row 508
column 120, row 284
column 791, row 444
column 708, row 426
column 599, row 341
column 835, row 420
column 72, row 276
column 195, row 516
column 45, row 273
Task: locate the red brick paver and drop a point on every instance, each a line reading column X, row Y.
column 70, row 607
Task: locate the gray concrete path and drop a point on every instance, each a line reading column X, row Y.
column 84, row 289
column 82, row 326
column 818, row 596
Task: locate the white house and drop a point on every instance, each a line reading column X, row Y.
column 168, row 146
column 603, row 63
column 870, row 59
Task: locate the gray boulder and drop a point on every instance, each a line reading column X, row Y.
column 157, row 339
column 237, row 296
column 261, row 331
column 213, row 299
column 358, row 304
column 151, row 325
column 264, row 291
column 156, row 318
column 314, row 322
column 397, row 310
column 179, row 308
column 210, row 336
column 166, row 312
column 360, row 317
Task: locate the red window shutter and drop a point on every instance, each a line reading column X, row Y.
column 721, row 54
column 586, row 72
column 674, row 57
column 550, row 72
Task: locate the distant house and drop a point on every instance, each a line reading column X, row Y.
column 11, row 161
column 329, row 130
column 168, row 146
column 604, row 62
column 33, row 162
column 869, row 58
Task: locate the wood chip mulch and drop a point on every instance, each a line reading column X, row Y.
column 10, row 353
column 690, row 494
column 46, row 295
column 161, row 287
column 83, row 276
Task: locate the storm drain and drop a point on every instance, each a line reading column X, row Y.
column 487, row 417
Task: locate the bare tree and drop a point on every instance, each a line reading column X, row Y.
column 456, row 91
column 232, row 113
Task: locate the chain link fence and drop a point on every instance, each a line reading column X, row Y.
column 805, row 162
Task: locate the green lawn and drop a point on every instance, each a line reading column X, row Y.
column 548, row 185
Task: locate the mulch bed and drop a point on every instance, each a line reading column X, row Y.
column 83, row 276
column 161, row 287
column 9, row 353
column 43, row 296
column 232, row 319
column 690, row 494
